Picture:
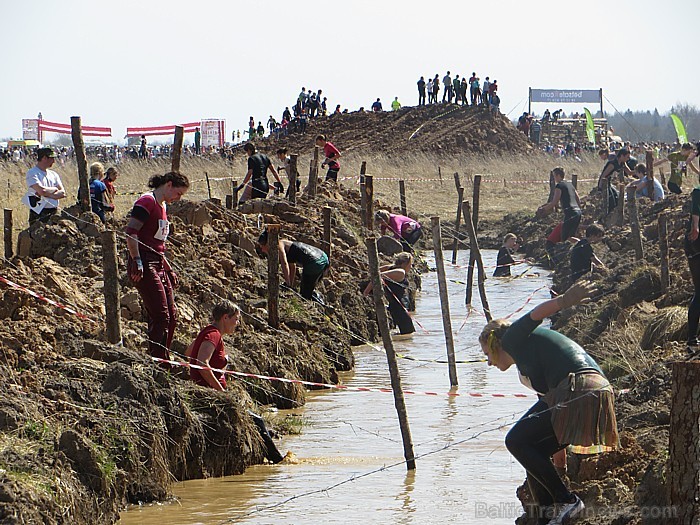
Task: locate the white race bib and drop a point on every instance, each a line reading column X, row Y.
column 163, row 230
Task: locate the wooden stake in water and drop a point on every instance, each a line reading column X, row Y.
column 475, row 222
column 458, row 223
column 474, row 248
column 81, row 159
column 444, row 301
column 178, row 140
column 110, row 269
column 273, row 275
column 399, row 402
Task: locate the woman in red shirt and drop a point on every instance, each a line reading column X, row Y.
column 147, row 266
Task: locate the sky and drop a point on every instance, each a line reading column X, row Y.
column 163, row 62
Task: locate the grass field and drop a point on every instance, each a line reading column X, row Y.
column 426, row 195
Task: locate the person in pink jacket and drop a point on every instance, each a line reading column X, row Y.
column 405, row 229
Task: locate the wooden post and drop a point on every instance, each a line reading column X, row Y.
column 444, row 301
column 7, row 230
column 313, row 174
column 663, row 247
column 458, row 184
column 552, row 186
column 229, row 202
column 369, row 201
column 273, row 276
column 81, row 159
column 458, row 223
column 574, row 180
column 606, row 196
column 293, row 177
column 475, row 222
column 206, row 176
column 684, row 435
column 650, row 174
column 620, row 210
column 402, row 197
column 234, row 193
column 380, row 307
column 474, row 248
column 634, row 223
column 440, row 175
column 327, row 230
column 363, row 195
column 177, row 148
column 110, row 270
column 662, row 177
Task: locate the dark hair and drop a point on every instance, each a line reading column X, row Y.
column 223, row 308
column 623, row 151
column 559, row 171
column 282, row 151
column 641, row 168
column 321, row 137
column 594, row 230
column 45, row 152
column 687, row 146
column 604, row 151
column 178, row 179
column 249, row 147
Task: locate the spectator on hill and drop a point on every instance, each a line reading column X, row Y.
column 463, row 91
column 147, row 267
column 261, row 130
column 456, row 89
column 493, row 88
column 474, row 88
column 436, row 88
column 447, row 82
column 44, row 188
column 377, row 106
column 143, row 148
column 421, row 91
column 485, row 91
column 395, row 105
column 430, row 91
column 495, row 103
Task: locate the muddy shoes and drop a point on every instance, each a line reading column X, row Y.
column 568, row 512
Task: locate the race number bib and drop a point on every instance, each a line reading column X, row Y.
column 163, row 230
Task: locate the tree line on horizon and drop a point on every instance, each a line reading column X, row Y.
column 652, row 126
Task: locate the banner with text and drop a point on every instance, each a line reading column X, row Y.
column 30, row 129
column 566, row 96
column 213, row 133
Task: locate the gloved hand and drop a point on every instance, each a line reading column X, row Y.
column 279, row 189
column 134, row 268
column 576, row 294
column 174, row 279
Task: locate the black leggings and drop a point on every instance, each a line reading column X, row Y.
column 694, row 307
column 532, row 442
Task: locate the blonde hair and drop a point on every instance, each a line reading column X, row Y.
column 402, row 258
column 494, row 330
column 382, row 215
column 97, row 171
column 508, row 237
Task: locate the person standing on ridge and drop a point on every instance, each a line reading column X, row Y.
column 395, row 105
column 447, row 81
column 377, row 106
column 197, row 141
column 421, row 91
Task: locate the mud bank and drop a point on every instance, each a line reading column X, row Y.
column 87, row 427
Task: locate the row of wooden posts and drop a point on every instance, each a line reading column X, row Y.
column 686, row 392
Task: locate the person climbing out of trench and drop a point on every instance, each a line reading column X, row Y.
column 147, row 267
column 575, row 406
column 406, row 230
column 395, row 280
column 314, row 263
column 208, row 351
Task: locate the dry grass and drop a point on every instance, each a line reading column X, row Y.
column 425, row 197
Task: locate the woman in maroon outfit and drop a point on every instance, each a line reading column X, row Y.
column 147, row 267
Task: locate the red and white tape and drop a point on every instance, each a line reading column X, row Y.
column 46, row 299
column 335, row 387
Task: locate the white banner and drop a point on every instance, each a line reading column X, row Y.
column 566, row 96
column 213, row 132
column 30, row 129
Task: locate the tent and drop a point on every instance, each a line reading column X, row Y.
column 28, row 143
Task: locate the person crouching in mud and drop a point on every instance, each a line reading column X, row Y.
column 395, row 280
column 314, row 263
column 208, row 351
column 575, row 407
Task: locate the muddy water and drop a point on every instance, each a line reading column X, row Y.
column 464, row 473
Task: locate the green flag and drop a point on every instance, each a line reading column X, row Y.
column 680, row 129
column 590, row 128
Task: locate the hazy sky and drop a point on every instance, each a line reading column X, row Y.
column 156, row 62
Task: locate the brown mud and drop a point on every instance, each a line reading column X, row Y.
column 87, row 427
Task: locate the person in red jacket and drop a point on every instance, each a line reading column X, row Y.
column 332, row 155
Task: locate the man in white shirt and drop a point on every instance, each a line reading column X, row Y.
column 44, row 188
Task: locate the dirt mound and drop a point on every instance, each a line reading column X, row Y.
column 436, row 128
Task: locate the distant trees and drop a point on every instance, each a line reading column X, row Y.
column 647, row 126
